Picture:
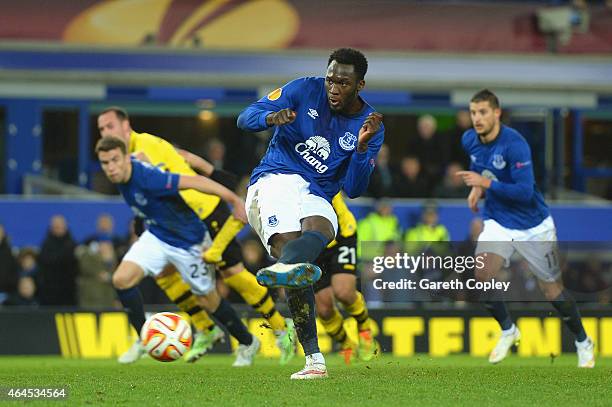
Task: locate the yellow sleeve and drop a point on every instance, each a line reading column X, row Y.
column 346, row 220
column 161, row 153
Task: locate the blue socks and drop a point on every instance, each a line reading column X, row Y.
column 302, row 306
column 304, row 249
column 566, row 306
column 228, row 317
column 500, row 312
column 132, row 303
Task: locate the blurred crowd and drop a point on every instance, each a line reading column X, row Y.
column 63, row 272
column 429, row 165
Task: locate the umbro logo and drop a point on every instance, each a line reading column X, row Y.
column 313, row 113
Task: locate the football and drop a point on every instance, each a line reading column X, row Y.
column 166, row 336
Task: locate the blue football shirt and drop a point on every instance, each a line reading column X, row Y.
column 319, row 145
column 513, row 200
column 153, row 195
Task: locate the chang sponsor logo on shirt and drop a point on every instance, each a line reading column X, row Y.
column 489, row 174
column 314, row 150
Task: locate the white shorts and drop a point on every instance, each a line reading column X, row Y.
column 152, row 255
column 537, row 245
column 277, row 203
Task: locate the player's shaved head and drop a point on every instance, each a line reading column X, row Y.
column 120, row 112
column 486, row 95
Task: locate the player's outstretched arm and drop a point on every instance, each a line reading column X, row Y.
column 201, row 166
column 371, row 137
column 208, row 186
column 277, row 108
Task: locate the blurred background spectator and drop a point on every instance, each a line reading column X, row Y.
column 410, row 182
column 9, row 269
column 452, row 185
column 430, row 147
column 97, row 262
column 58, row 265
column 463, row 123
column 215, row 153
column 381, row 181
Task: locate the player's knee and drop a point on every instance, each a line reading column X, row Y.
column 551, row 291
column 210, row 301
column 122, row 281
column 345, row 294
column 319, row 224
column 325, row 310
column 232, row 270
column 279, row 240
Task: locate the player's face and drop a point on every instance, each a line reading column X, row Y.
column 342, row 86
column 484, row 117
column 116, row 165
column 110, row 125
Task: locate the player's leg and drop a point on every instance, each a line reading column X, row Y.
column 544, row 261
column 344, row 286
column 207, row 333
column 565, row 304
column 145, row 257
column 277, row 211
column 257, row 296
column 495, row 249
column 304, row 248
column 201, row 279
column 125, row 280
column 510, row 334
column 333, row 321
column 226, row 253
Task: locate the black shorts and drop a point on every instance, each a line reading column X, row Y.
column 341, row 258
column 233, row 253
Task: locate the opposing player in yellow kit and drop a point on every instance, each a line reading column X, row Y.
column 339, row 282
column 225, row 251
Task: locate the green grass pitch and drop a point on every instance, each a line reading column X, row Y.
column 389, row 381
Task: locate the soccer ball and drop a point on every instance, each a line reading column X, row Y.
column 166, row 336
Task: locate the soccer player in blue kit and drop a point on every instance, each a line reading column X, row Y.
column 174, row 235
column 326, row 138
column 516, row 218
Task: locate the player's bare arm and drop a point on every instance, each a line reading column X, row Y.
column 196, row 162
column 473, row 198
column 370, row 127
column 281, row 117
column 209, row 186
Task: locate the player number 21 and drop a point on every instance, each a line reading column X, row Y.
column 345, row 252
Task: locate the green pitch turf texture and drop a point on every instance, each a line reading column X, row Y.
column 389, row 381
